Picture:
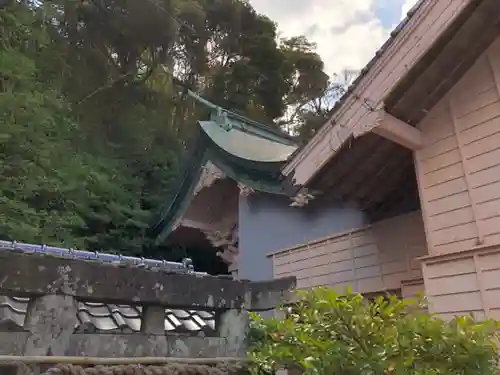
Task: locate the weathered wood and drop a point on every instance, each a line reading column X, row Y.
column 398, row 132
column 36, row 275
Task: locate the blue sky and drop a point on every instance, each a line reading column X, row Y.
column 347, row 32
column 388, row 11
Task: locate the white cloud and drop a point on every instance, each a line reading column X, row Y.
column 347, row 32
column 407, row 5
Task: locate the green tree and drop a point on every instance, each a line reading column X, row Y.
column 308, row 116
column 308, row 80
column 330, row 333
column 93, row 129
column 38, row 175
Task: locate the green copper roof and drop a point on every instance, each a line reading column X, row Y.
column 246, row 151
column 228, row 120
column 246, row 145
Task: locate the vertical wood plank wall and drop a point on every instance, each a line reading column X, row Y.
column 459, row 167
column 370, row 259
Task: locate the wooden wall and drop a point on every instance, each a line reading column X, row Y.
column 459, row 167
column 459, row 180
column 370, row 259
column 459, row 284
column 412, row 288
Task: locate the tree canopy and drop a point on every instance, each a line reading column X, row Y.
column 93, row 128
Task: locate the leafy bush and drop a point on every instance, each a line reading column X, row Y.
column 330, row 333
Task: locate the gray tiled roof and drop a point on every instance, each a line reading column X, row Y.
column 99, row 317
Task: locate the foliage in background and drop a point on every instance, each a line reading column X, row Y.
column 92, row 128
column 306, row 115
column 329, row 333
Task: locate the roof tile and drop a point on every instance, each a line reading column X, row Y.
column 100, row 317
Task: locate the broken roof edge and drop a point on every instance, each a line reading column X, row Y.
column 397, row 36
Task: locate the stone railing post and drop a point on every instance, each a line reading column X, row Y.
column 234, row 326
column 51, row 320
column 153, row 320
column 263, row 297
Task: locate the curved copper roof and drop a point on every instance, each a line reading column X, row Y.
column 247, row 146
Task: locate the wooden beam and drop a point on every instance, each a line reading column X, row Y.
column 399, row 132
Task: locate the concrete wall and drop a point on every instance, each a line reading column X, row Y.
column 370, row 259
column 267, row 224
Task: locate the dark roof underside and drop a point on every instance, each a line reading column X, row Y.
column 378, row 174
column 373, row 172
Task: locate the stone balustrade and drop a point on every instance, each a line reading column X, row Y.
column 53, row 299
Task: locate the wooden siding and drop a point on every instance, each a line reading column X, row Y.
column 464, row 283
column 459, row 167
column 370, row 259
column 412, row 288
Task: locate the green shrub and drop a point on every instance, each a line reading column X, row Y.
column 330, row 333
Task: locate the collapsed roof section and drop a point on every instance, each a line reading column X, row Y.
column 228, row 147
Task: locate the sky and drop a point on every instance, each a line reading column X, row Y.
column 347, row 32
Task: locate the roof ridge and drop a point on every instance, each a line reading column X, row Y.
column 267, row 128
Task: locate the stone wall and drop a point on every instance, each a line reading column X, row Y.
column 55, row 289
